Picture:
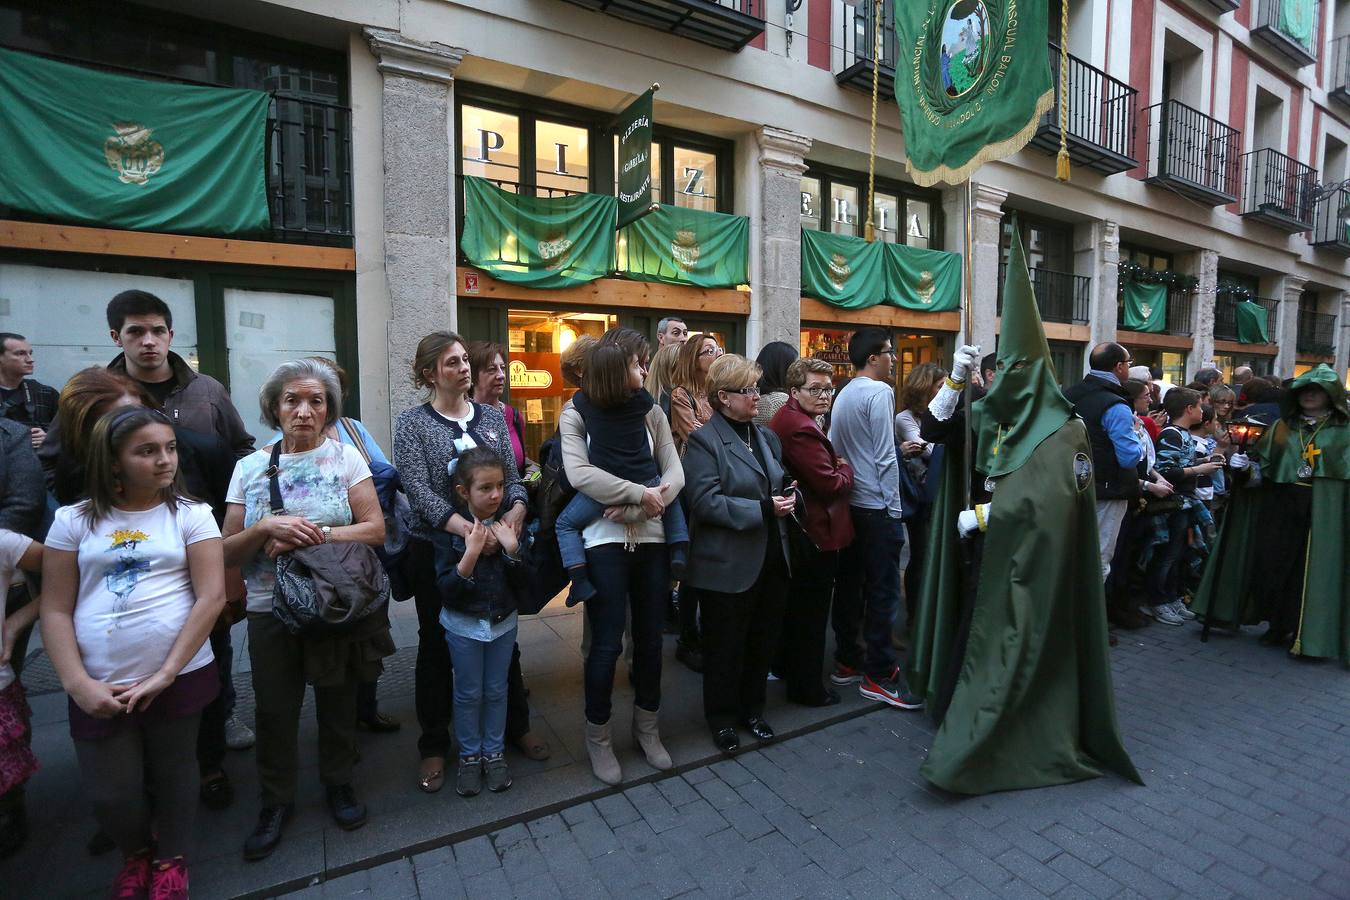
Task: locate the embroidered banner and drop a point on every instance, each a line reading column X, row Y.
column 676, row 245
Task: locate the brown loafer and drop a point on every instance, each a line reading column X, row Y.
column 431, row 774
column 534, row 746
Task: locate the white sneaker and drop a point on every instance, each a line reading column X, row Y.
column 1166, row 615
column 1180, row 608
column 238, row 736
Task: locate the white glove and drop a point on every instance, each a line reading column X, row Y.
column 965, row 358
column 1238, row 461
column 968, row 521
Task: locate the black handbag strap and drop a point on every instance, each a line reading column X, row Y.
column 273, row 486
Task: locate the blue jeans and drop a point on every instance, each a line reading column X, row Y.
column 481, row 669
column 640, row 580
column 582, row 511
column 867, row 593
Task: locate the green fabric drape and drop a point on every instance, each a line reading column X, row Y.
column 977, row 79
column 541, row 242
column 676, row 245
column 95, row 148
column 634, row 129
column 1297, row 20
column 1145, row 307
column 927, row 280
column 1252, row 322
column 842, row 270
column 938, row 617
column 850, row 273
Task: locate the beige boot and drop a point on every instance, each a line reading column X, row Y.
column 647, row 736
column 601, row 750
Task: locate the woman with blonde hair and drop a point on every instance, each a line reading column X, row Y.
column 661, row 375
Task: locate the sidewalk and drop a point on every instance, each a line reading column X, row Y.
column 401, row 816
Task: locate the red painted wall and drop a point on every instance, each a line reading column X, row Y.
column 1295, row 116
column 817, row 33
column 1141, row 70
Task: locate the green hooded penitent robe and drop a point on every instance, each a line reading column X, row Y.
column 1229, row 591
column 1033, row 705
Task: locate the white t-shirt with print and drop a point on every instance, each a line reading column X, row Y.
column 135, row 587
column 314, row 484
column 12, row 548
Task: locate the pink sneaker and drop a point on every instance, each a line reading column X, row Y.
column 169, row 880
column 133, row 882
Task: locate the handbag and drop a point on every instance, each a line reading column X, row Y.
column 326, row 588
column 398, row 517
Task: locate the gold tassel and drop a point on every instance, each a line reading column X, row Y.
column 1062, row 160
column 1062, row 163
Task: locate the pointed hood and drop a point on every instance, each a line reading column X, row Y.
column 1025, row 405
column 1322, row 376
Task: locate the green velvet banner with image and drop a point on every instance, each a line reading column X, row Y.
column 1298, row 20
column 927, row 280
column 1253, row 326
column 93, row 148
column 1145, row 307
column 540, row 242
column 675, row 245
column 842, row 270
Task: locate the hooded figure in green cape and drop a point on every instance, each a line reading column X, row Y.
column 1033, row 704
column 1281, row 554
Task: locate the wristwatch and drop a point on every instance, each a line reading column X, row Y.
column 327, row 533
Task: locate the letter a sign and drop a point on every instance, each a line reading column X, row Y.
column 635, row 159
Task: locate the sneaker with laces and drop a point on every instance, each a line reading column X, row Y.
column 891, row 691
column 1166, row 615
column 1180, row 608
column 133, row 882
column 498, row 776
column 469, row 779
column 843, row 674
column 169, row 880
column 238, row 736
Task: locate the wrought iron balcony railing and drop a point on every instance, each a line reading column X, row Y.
column 1060, row 296
column 727, row 24
column 1337, row 76
column 1289, row 27
column 1316, row 333
column 1102, row 110
column 1225, row 320
column 309, row 171
column 1179, row 306
column 1331, row 221
column 858, row 37
column 1192, row 153
column 1278, row 190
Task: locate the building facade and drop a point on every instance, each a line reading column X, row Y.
column 1209, row 140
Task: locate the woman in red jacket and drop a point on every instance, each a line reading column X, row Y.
column 823, row 529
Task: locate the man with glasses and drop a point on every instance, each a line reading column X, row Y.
column 671, row 330
column 867, row 595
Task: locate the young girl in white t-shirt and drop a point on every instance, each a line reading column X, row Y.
column 17, row 762
column 133, row 580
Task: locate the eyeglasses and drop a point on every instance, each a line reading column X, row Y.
column 819, row 390
column 713, row 351
column 744, row 392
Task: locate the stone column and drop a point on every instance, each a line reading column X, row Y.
column 419, row 194
column 1096, row 253
column 1342, row 334
column 1285, row 326
column 987, row 235
column 776, row 302
column 1204, row 265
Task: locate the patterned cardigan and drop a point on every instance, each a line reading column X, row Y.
column 424, row 444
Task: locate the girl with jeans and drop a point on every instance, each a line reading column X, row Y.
column 480, row 593
column 133, row 580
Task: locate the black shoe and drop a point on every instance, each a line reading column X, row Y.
column 379, row 724
column 690, row 654
column 13, row 828
column 1275, row 638
column 582, row 590
column 216, row 791
column 348, row 812
column 100, row 844
column 267, row 833
column 727, row 741
column 826, row 697
column 762, row 730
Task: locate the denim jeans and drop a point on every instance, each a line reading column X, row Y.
column 1164, row 568
column 867, row 593
column 481, row 669
column 640, row 579
column 582, row 511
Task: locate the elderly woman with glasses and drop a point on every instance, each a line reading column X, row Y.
column 819, row 531
column 738, row 497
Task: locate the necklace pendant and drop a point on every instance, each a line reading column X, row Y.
column 1305, row 471
column 989, row 485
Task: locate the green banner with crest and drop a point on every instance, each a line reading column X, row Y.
column 926, row 280
column 676, row 245
column 1253, row 322
column 540, row 242
column 974, row 85
column 842, row 270
column 1145, row 307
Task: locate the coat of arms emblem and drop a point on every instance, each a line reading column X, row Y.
column 925, row 288
column 840, row 270
column 132, row 153
column 685, row 248
column 554, row 251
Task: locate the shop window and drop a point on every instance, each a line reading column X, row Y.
column 1048, row 245
column 490, row 145
column 911, row 350
column 695, row 179
column 836, row 201
column 1149, row 259
column 886, row 218
column 535, row 343
column 918, row 225
column 561, row 159
column 844, row 209
column 830, row 345
column 810, row 211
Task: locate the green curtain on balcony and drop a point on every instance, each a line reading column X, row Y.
column 1145, row 307
column 842, row 270
column 676, row 245
column 1297, row 20
column 1253, row 325
column 95, row 148
column 928, row 280
column 540, row 242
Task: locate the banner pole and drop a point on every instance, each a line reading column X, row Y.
column 968, row 267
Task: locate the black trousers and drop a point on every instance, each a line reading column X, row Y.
column 434, row 677
column 740, row 635
column 1285, row 556
column 806, row 615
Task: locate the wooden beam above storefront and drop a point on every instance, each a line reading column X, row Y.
column 885, row 316
column 1058, row 331
column 1236, row 347
column 1312, row 359
column 1132, row 339
column 608, row 292
column 150, row 245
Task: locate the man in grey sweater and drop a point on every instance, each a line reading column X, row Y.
column 867, row 593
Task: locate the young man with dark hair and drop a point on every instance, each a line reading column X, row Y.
column 22, row 399
column 867, row 594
